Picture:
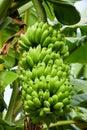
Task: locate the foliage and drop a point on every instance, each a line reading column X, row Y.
column 15, row 17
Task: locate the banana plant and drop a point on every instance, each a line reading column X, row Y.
column 28, row 51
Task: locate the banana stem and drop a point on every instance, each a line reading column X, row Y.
column 14, row 95
column 67, row 122
column 40, row 10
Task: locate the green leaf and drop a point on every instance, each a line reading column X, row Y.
column 8, row 123
column 81, row 115
column 77, row 70
column 7, row 77
column 61, row 1
column 66, row 14
column 73, row 42
column 1, row 61
column 49, row 10
column 32, row 18
column 10, row 58
column 4, row 6
column 1, row 127
column 78, row 99
column 78, row 55
column 79, row 85
column 2, row 103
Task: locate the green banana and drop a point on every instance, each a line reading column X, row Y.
column 41, row 114
column 46, row 58
column 40, row 93
column 66, row 101
column 55, row 99
column 25, row 39
column 38, row 35
column 29, row 61
column 50, row 28
column 31, row 34
column 34, row 73
column 28, row 97
column 40, row 24
column 46, row 110
column 44, row 35
column 58, row 106
column 37, row 102
column 64, row 50
column 34, row 94
column 46, row 41
column 31, row 104
column 40, row 85
column 47, row 70
column 46, row 104
column 45, row 79
column 35, row 53
column 50, row 100
column 24, row 63
column 44, row 27
column 22, row 46
column 54, row 33
column 29, row 90
column 42, row 54
column 46, row 95
column 53, row 72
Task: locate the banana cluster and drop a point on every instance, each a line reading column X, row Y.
column 46, row 90
column 43, row 34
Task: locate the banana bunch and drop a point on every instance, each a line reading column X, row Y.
column 44, row 78
column 43, row 34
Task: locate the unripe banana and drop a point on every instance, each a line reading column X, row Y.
column 31, row 104
column 42, row 54
column 37, row 102
column 45, row 78
column 40, row 24
column 22, row 46
column 25, row 40
column 50, row 99
column 47, row 70
column 23, row 94
column 40, row 94
column 41, row 114
column 38, row 35
column 66, row 101
column 46, row 58
column 24, row 62
column 53, row 72
column 46, row 41
column 40, row 85
column 58, row 106
column 55, row 99
column 29, row 61
column 64, row 50
column 29, row 90
column 31, row 34
column 46, row 95
column 44, row 27
column 28, row 97
column 54, row 33
column 34, row 94
column 46, row 104
column 44, row 35
column 46, row 110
